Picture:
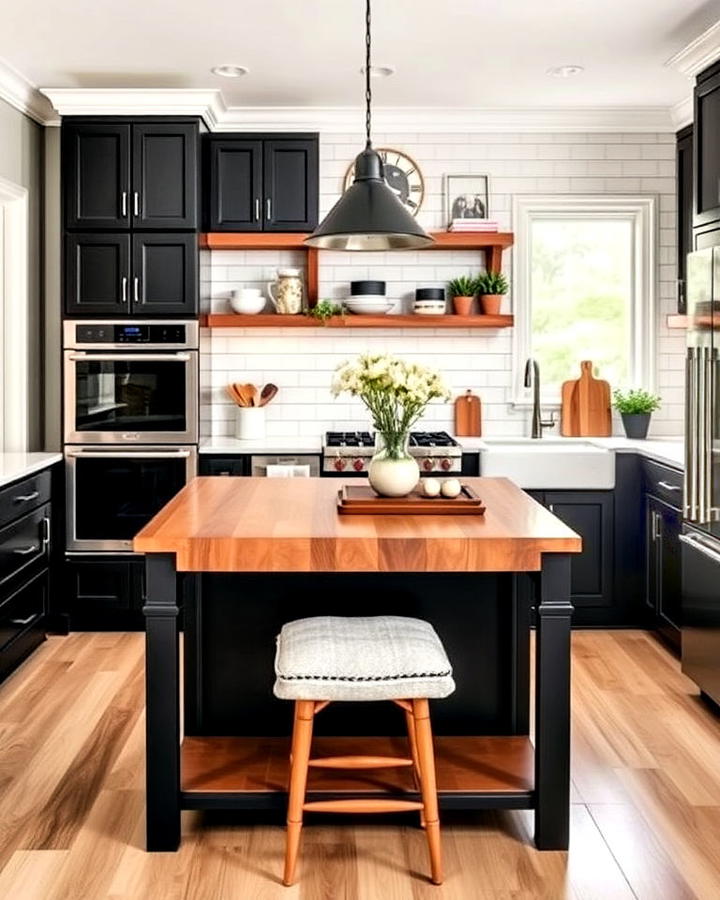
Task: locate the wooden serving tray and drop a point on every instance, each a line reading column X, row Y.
column 361, row 500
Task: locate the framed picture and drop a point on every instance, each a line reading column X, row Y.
column 466, row 197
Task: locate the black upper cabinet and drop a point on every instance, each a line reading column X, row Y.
column 97, row 274
column 121, row 274
column 165, row 182
column 236, row 185
column 290, row 177
column 262, row 182
column 141, row 175
column 165, row 280
column 96, row 175
column 707, row 148
column 684, row 160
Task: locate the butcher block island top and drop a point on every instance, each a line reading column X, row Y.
column 218, row 524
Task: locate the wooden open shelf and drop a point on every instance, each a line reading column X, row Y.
column 231, row 320
column 491, row 244
column 499, row 767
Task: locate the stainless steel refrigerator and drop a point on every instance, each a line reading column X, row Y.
column 701, row 528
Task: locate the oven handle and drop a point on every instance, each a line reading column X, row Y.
column 128, row 454
column 132, row 357
column 692, row 541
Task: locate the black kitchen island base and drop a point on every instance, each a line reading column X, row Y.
column 485, row 758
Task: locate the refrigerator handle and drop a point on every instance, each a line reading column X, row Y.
column 709, row 373
column 691, row 434
column 701, row 438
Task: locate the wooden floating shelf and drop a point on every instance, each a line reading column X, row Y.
column 232, row 320
column 240, row 765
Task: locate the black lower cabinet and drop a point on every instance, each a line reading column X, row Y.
column 22, row 621
column 224, row 465
column 664, row 574
column 104, row 593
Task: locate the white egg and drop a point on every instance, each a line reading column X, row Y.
column 431, row 487
column 451, row 488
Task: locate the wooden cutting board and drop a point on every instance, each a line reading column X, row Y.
column 586, row 405
column 468, row 417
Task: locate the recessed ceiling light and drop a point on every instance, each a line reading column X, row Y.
column 565, row 71
column 229, row 71
column 379, row 71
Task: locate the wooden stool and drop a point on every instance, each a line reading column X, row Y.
column 330, row 658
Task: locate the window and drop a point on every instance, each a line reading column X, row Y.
column 584, row 289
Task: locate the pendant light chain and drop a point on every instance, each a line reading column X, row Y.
column 368, row 90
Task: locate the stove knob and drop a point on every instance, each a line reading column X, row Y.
column 445, row 464
column 358, row 464
column 340, row 463
column 427, row 464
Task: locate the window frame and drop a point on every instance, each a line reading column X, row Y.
column 641, row 211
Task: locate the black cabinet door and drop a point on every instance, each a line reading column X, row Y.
column 707, row 150
column 590, row 514
column 96, row 175
column 652, row 554
column 165, row 176
column 97, row 274
column 664, row 581
column 290, row 176
column 235, row 185
column 165, row 279
column 684, row 160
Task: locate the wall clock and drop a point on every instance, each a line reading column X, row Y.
column 402, row 176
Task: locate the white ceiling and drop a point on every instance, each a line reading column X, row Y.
column 452, row 53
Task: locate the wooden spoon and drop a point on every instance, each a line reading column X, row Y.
column 233, row 394
column 267, row 394
column 246, row 392
column 254, row 395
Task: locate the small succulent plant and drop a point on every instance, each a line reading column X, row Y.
column 635, row 402
column 324, row 310
column 463, row 286
column 491, row 283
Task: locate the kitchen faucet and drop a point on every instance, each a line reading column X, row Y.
column 532, row 378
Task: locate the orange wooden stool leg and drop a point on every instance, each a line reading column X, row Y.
column 299, row 754
column 428, row 788
column 412, row 740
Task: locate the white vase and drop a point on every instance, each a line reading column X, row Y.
column 250, row 423
column 392, row 471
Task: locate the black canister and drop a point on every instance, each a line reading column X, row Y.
column 429, row 293
column 363, row 288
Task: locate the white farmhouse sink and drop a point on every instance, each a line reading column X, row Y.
column 551, row 464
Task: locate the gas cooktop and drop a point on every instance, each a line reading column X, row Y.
column 350, row 452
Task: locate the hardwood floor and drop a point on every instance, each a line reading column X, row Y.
column 645, row 814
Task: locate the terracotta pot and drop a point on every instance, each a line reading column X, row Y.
column 462, row 305
column 490, row 304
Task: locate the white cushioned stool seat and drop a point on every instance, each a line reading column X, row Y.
column 361, row 658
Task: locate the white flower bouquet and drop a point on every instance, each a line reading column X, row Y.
column 395, row 392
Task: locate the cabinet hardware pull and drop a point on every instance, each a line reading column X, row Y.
column 26, row 551
column 136, row 203
column 25, row 621
column 668, row 486
column 551, row 507
column 123, row 203
column 26, row 498
column 136, row 289
column 124, row 289
column 268, row 208
column 656, row 523
column 46, row 532
column 257, row 209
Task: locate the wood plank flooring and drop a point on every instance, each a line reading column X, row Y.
column 645, row 799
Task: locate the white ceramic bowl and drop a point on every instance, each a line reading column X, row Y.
column 369, row 306
column 247, row 303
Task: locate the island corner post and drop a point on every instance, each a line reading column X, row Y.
column 540, row 547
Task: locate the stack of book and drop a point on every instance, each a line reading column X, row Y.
column 473, row 225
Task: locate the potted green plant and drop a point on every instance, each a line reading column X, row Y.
column 492, row 287
column 463, row 290
column 635, row 408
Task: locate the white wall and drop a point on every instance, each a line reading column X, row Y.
column 301, row 362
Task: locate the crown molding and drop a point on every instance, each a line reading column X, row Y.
column 682, row 113
column 211, row 107
column 698, row 54
column 23, row 95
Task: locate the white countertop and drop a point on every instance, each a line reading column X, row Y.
column 665, row 450
column 14, row 466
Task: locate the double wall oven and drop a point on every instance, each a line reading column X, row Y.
column 130, row 425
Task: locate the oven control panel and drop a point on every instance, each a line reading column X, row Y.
column 130, row 333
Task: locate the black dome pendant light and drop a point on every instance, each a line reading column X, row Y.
column 368, row 216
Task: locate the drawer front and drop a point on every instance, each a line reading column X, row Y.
column 23, row 610
column 24, row 496
column 664, row 483
column 24, row 543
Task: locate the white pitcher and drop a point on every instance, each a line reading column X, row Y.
column 286, row 294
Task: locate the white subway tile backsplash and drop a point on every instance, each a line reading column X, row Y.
column 301, row 363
